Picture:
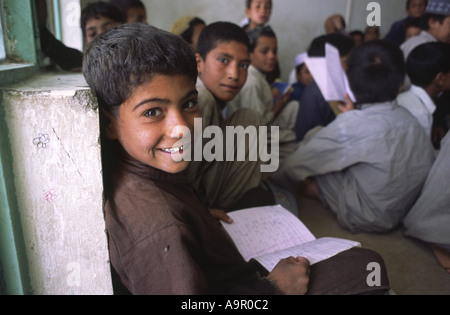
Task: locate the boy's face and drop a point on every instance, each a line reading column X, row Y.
column 259, row 12
column 441, row 31
column 136, row 15
column 416, row 8
column 146, row 121
column 412, row 31
column 95, row 27
column 225, row 69
column 264, row 56
column 304, row 76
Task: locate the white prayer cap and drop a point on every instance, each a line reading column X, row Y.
column 300, row 59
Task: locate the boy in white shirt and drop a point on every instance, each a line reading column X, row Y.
column 428, row 68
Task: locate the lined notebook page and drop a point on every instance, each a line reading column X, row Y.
column 258, row 231
column 269, row 234
column 315, row 251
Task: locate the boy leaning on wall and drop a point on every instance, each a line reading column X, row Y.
column 162, row 239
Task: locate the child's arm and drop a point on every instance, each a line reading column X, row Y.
column 162, row 263
column 221, row 215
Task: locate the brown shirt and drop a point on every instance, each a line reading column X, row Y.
column 164, row 241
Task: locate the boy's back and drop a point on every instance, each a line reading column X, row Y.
column 369, row 164
column 382, row 156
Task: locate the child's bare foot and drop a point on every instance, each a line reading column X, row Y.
column 442, row 256
column 309, row 189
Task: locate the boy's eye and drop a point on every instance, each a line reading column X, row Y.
column 223, row 60
column 190, row 104
column 153, row 112
column 244, row 66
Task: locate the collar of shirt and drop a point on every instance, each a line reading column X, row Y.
column 424, row 98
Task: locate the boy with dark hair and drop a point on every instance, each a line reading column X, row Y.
column 257, row 92
column 162, row 240
column 98, row 17
column 223, row 60
column 435, row 25
column 428, row 67
column 414, row 9
column 258, row 13
column 369, row 165
column 134, row 11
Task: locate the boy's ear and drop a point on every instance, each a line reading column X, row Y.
column 439, row 80
column 108, row 124
column 247, row 12
column 199, row 60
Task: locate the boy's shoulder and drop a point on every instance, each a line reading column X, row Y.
column 207, row 105
column 141, row 206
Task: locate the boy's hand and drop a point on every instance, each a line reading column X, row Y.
column 221, row 215
column 348, row 106
column 281, row 103
column 291, row 276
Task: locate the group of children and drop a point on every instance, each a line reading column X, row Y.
column 372, row 162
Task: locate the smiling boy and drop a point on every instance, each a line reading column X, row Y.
column 162, row 239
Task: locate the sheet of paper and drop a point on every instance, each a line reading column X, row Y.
column 330, row 77
column 315, row 251
column 258, row 231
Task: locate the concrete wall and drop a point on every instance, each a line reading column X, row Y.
column 53, row 127
column 296, row 22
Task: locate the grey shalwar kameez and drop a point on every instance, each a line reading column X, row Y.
column 369, row 165
column 429, row 219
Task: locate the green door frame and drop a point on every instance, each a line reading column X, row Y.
column 21, row 45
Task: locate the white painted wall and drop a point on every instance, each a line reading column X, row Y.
column 296, row 22
column 54, row 134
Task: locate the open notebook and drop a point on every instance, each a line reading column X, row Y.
column 269, row 234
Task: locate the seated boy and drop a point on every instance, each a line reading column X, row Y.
column 162, row 239
column 223, row 60
column 314, row 109
column 258, row 13
column 370, row 164
column 257, row 92
column 428, row 68
column 429, row 218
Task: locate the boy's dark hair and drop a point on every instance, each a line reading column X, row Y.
column 123, row 58
column 431, row 16
column 256, row 33
column 342, row 43
column 413, row 22
column 426, row 61
column 220, row 32
column 408, row 3
column 98, row 9
column 125, row 5
column 376, row 71
column 187, row 35
column 248, row 3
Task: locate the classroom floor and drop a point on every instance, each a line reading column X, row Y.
column 412, row 268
